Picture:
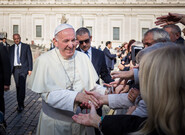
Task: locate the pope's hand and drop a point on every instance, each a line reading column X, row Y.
column 84, row 98
column 98, row 96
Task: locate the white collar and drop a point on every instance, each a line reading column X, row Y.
column 89, row 51
column 18, row 44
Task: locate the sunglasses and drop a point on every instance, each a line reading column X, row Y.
column 86, row 41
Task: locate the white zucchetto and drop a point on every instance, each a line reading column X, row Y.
column 62, row 27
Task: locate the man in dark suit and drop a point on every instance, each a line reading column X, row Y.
column 21, row 65
column 4, row 76
column 96, row 56
column 109, row 58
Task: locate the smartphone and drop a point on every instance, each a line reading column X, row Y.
column 135, row 50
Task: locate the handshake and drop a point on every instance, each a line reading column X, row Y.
column 116, row 87
column 97, row 99
column 92, row 97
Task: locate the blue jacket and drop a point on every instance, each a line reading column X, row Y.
column 109, row 58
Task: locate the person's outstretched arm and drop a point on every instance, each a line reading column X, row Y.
column 171, row 18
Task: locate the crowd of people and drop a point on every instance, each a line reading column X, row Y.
column 157, row 107
column 146, row 95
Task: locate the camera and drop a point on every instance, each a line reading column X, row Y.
column 135, row 50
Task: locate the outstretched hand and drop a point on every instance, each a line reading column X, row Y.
column 171, row 18
column 90, row 119
column 131, row 109
column 85, row 99
column 123, row 74
column 97, row 95
column 133, row 94
column 110, row 87
column 102, row 99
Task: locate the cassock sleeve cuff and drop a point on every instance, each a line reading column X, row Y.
column 62, row 99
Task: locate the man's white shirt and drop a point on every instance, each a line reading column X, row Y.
column 15, row 54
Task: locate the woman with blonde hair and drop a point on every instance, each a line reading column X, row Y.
column 162, row 86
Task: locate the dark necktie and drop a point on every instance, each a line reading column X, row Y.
column 86, row 52
column 18, row 58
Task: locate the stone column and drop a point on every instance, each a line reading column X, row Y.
column 28, row 27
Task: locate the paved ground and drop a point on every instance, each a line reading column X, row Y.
column 23, row 123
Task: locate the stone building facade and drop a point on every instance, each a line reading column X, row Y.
column 114, row 20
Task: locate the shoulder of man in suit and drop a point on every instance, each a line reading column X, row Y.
column 24, row 44
column 97, row 50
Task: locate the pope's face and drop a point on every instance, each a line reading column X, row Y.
column 66, row 43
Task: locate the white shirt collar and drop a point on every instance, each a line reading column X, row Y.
column 89, row 52
column 18, row 44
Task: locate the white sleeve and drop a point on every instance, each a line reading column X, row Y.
column 117, row 101
column 100, row 89
column 61, row 99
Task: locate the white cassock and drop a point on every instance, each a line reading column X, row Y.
column 51, row 80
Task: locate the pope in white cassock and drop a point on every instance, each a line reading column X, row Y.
column 61, row 76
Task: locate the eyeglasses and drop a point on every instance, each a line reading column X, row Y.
column 86, row 41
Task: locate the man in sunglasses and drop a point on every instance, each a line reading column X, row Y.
column 96, row 56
